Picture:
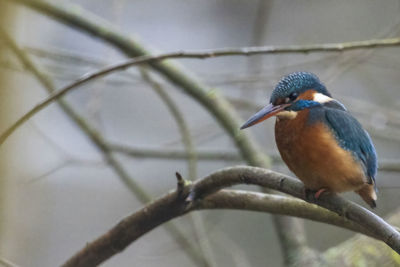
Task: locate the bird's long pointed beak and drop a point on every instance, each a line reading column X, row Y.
column 263, row 114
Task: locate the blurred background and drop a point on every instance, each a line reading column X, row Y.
column 57, row 192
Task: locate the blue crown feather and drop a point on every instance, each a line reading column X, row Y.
column 298, row 82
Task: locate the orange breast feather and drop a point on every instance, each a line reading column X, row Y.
column 313, row 155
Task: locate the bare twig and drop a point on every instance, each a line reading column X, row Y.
column 345, row 213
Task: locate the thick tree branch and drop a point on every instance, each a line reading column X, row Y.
column 343, row 213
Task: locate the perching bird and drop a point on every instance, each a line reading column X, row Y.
column 319, row 140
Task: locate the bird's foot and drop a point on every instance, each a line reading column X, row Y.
column 313, row 195
column 319, row 192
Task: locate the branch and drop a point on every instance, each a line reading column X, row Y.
column 343, row 213
column 285, row 184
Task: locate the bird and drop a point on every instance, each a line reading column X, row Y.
column 319, row 140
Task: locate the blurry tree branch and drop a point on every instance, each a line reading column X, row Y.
column 205, row 194
column 190, row 150
column 180, row 121
column 98, row 141
column 6, row 263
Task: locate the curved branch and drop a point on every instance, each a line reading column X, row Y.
column 343, row 213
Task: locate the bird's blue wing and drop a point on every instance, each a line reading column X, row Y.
column 352, row 137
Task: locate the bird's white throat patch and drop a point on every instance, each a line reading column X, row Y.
column 321, row 98
column 286, row 115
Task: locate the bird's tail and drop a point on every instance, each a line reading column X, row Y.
column 368, row 194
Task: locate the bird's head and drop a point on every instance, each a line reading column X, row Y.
column 294, row 92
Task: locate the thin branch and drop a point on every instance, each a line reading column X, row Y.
column 98, row 141
column 246, row 51
column 343, row 213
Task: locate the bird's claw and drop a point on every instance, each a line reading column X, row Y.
column 313, row 195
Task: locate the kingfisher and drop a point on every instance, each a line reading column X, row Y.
column 319, row 140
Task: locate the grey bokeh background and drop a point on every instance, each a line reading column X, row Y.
column 61, row 195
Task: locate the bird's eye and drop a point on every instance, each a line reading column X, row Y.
column 293, row 96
